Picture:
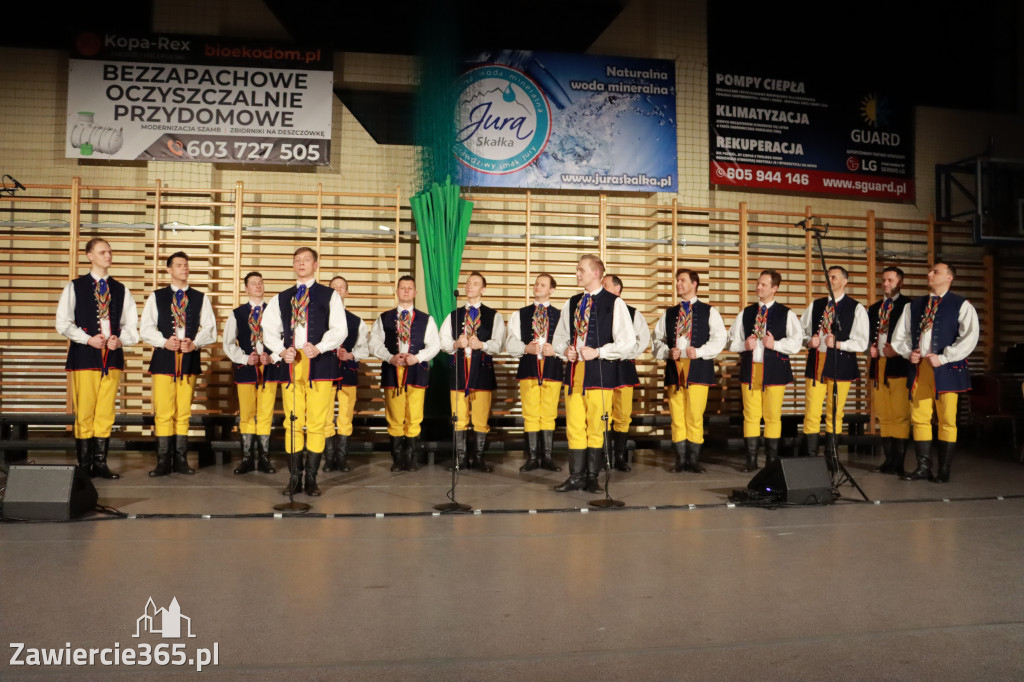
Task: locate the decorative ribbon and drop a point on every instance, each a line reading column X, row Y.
column 300, row 307
column 540, row 334
column 256, row 336
column 178, row 306
column 102, row 294
column 684, row 322
column 761, row 322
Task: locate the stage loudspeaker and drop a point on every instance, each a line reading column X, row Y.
column 48, row 492
column 801, row 480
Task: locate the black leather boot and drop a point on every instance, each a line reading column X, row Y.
column 312, row 465
column 248, row 462
column 680, row 465
column 811, row 445
column 532, row 457
column 923, row 450
column 99, row 459
column 330, row 454
column 771, row 450
column 180, row 456
column 341, row 454
column 295, row 462
column 621, row 458
column 263, row 455
column 481, row 446
column 163, row 456
column 899, row 455
column 412, row 454
column 460, row 452
column 397, row 453
column 887, row 464
column 945, row 457
column 595, row 460
column 577, row 472
column 693, row 457
column 83, row 453
column 547, row 439
column 751, row 444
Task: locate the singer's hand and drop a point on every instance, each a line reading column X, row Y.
column 889, row 351
column 936, row 360
column 769, row 341
column 187, row 345
column 830, row 341
column 915, row 356
column 549, row 350
column 173, row 343
column 253, row 359
column 462, row 341
column 675, row 353
column 476, row 344
column 97, row 341
column 814, row 342
column 264, row 359
column 570, row 354
column 288, row 355
column 398, row 359
column 411, row 359
column 344, row 355
column 531, row 348
column 589, row 353
column 750, row 343
column 691, row 352
column 873, row 350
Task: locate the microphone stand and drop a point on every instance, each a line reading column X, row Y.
column 291, row 505
column 839, row 473
column 454, row 505
column 607, row 500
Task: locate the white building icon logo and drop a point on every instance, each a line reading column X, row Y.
column 166, row 622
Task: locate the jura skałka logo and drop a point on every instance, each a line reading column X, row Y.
column 503, row 120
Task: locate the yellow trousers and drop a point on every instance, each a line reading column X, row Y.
column 539, row 404
column 172, row 404
column 256, row 407
column 922, row 402
column 311, row 403
column 346, row 409
column 474, row 409
column 686, row 407
column 622, row 408
column 758, row 404
column 892, row 405
column 814, row 393
column 403, row 408
column 94, row 396
column 584, row 426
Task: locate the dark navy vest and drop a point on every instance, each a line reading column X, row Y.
column 896, row 367
column 597, row 373
column 481, row 364
column 323, row 367
column 163, row 359
column 348, row 371
column 702, row 370
column 417, row 375
column 627, row 368
column 953, row 377
column 777, row 370
column 246, row 374
column 84, row 356
column 846, row 368
column 553, row 369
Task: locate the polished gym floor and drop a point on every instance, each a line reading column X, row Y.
column 923, row 582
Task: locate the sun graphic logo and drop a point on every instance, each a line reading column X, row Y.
column 874, row 110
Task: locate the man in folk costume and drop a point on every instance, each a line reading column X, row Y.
column 622, row 402
column 888, row 372
column 937, row 334
column 405, row 340
column 352, row 350
column 255, row 377
column 765, row 334
column 177, row 321
column 96, row 313
column 303, row 326
column 832, row 358
column 530, row 332
column 594, row 330
column 688, row 337
column 473, row 335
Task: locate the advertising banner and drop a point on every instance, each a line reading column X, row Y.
column 567, row 121
column 198, row 98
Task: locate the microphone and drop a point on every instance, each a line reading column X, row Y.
column 17, row 184
column 811, row 224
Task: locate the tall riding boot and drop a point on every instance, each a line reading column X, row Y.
column 595, row 459
column 460, row 452
column 412, row 453
column 312, row 465
column 577, row 472
column 751, row 444
column 481, row 446
column 899, row 455
column 99, row 459
column 811, row 445
column 294, row 473
column 621, row 460
column 397, row 453
column 887, row 465
column 163, row 456
column 945, row 456
column 180, row 456
column 341, row 454
column 831, row 452
column 248, row 462
column 771, row 450
column 547, row 439
column 532, row 458
column 330, row 454
column 263, row 455
column 680, row 448
column 923, row 471
column 693, row 456
column 83, row 453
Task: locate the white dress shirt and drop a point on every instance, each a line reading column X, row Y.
column 793, row 342
column 273, row 327
column 860, row 335
column 714, row 346
column 67, row 328
column 967, row 341
column 431, row 340
column 150, row 333
column 643, row 337
column 623, row 335
column 492, row 346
